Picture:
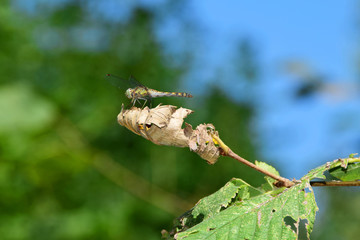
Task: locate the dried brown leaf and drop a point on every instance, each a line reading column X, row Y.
column 163, row 126
column 203, row 144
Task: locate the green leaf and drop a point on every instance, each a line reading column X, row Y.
column 236, row 188
column 351, row 173
column 259, row 217
column 269, row 185
column 317, row 172
column 240, row 211
column 352, row 155
column 267, row 167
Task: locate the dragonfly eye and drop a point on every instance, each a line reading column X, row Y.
column 128, row 93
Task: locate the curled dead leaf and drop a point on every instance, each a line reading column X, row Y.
column 203, row 143
column 163, row 126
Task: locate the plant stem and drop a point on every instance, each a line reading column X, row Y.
column 282, row 182
column 226, row 151
column 334, row 183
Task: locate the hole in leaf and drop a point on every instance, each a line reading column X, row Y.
column 273, row 210
column 289, row 221
column 210, row 229
column 302, row 229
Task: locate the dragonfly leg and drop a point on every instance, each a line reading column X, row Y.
column 137, row 100
column 144, row 103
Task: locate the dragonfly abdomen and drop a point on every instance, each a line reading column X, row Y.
column 155, row 93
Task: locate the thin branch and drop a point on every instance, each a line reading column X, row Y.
column 334, row 184
column 226, row 151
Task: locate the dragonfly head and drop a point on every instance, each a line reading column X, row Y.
column 128, row 93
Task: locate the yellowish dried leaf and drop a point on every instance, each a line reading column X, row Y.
column 203, row 144
column 163, row 126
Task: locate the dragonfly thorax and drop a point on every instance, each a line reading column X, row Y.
column 129, row 92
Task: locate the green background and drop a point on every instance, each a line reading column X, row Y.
column 69, row 171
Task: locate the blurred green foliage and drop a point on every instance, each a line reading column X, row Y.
column 67, row 170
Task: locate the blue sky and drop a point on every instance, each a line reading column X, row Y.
column 322, row 35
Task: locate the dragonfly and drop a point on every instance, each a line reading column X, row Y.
column 137, row 91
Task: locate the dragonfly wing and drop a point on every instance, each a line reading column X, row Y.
column 139, row 91
column 117, row 81
column 123, row 83
column 135, row 82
